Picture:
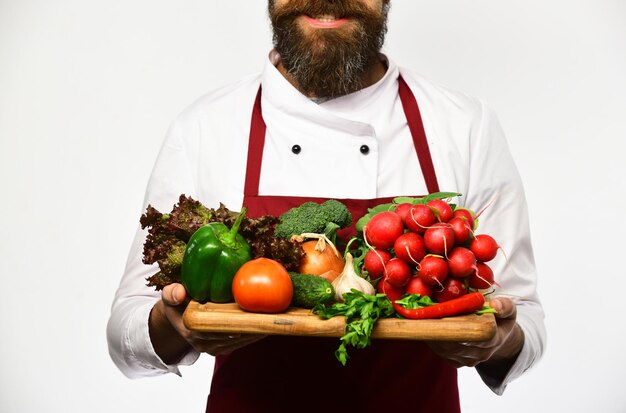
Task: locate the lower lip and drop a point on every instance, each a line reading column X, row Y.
column 325, row 24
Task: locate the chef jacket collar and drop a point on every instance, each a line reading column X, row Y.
column 340, row 112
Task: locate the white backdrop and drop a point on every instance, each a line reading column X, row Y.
column 88, row 88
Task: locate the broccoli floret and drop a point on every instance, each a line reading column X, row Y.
column 308, row 217
column 337, row 213
column 311, row 217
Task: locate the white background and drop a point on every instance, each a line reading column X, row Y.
column 88, row 88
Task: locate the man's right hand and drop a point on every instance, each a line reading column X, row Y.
column 172, row 340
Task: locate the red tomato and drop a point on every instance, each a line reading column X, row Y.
column 262, row 286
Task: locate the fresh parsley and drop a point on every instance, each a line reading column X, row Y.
column 361, row 312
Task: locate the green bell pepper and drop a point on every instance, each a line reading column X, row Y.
column 213, row 255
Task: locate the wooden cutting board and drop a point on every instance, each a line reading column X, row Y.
column 229, row 318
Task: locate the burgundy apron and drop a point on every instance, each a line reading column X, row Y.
column 300, row 374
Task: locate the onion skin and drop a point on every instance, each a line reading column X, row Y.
column 330, row 275
column 323, row 263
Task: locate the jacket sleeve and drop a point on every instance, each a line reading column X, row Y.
column 496, row 187
column 127, row 329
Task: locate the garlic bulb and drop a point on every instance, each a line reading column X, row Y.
column 349, row 279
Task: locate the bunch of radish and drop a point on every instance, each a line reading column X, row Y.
column 427, row 246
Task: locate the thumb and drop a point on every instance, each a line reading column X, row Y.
column 174, row 294
column 505, row 307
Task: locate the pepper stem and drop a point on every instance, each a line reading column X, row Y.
column 228, row 238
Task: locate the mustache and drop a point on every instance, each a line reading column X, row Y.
column 337, row 8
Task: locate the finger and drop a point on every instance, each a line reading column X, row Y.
column 226, row 338
column 458, row 347
column 505, row 308
column 467, row 362
column 242, row 342
column 464, row 361
column 174, row 294
column 220, row 345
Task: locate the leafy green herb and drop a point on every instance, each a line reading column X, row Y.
column 361, row 312
column 412, row 301
column 424, row 199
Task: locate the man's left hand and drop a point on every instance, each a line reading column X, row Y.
column 503, row 348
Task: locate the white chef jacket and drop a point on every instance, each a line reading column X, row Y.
column 204, row 156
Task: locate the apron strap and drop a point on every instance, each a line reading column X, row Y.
column 414, row 120
column 416, row 126
column 255, row 148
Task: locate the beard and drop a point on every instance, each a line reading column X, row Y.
column 326, row 63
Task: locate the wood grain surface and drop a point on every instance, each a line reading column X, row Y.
column 229, row 318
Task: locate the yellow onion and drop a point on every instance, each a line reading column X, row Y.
column 321, row 259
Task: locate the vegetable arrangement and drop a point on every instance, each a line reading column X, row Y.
column 426, row 246
column 414, row 258
column 168, row 235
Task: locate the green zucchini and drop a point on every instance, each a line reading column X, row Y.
column 310, row 290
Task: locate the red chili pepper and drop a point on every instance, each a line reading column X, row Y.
column 465, row 304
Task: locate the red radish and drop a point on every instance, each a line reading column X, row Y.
column 410, row 248
column 482, row 278
column 420, row 217
column 462, row 230
column 467, row 303
column 484, row 247
column 461, row 262
column 383, row 229
column 403, row 210
column 417, row 286
column 452, row 288
column 397, row 272
column 393, row 293
column 442, row 210
column 439, row 239
column 433, row 269
column 374, row 263
column 465, row 213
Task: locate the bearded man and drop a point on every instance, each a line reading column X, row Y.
column 331, row 117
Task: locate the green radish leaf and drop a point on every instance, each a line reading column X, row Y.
column 409, row 200
column 440, row 195
column 424, row 199
column 362, row 222
column 382, row 208
column 405, row 200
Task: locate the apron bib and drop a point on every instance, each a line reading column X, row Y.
column 281, row 374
